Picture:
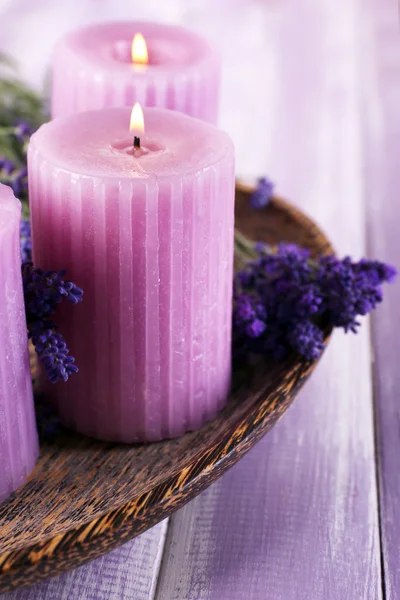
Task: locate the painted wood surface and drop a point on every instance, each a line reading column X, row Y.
column 380, row 50
column 309, row 528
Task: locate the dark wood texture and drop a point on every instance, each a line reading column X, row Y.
column 86, row 497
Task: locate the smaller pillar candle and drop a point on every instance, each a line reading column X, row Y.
column 18, row 436
column 168, row 67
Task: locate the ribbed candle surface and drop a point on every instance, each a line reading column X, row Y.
column 18, row 436
column 92, row 69
column 150, row 240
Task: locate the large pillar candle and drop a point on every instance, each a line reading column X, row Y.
column 18, row 436
column 148, row 234
column 94, row 68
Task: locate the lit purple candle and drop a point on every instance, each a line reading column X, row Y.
column 146, row 229
column 167, row 66
column 18, row 436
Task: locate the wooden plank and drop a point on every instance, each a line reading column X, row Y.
column 128, row 572
column 381, row 94
column 298, row 517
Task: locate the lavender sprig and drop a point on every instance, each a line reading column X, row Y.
column 262, row 194
column 52, row 350
column 43, row 291
column 351, row 289
column 283, row 300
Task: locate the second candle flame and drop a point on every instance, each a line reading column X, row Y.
column 139, row 50
column 137, row 119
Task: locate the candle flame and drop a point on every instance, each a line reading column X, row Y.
column 139, row 50
column 137, row 119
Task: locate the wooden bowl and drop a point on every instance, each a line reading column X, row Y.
column 86, row 497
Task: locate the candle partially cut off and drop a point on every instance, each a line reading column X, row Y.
column 149, row 237
column 18, row 437
column 118, row 64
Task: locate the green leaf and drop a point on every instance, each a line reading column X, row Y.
column 19, row 103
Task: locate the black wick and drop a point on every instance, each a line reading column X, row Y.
column 136, row 142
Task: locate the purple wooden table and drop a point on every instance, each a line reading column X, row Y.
column 311, row 97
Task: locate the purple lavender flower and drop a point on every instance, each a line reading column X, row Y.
column 23, row 132
column 262, row 194
column 292, row 253
column 307, row 339
column 256, row 328
column 244, row 310
column 26, row 242
column 248, row 310
column 351, row 289
column 283, row 300
column 19, row 182
column 378, row 272
column 25, row 228
column 52, row 351
column 6, row 168
column 43, row 291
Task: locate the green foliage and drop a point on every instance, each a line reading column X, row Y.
column 18, row 102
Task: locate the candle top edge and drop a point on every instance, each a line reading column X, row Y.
column 172, row 48
column 98, row 144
